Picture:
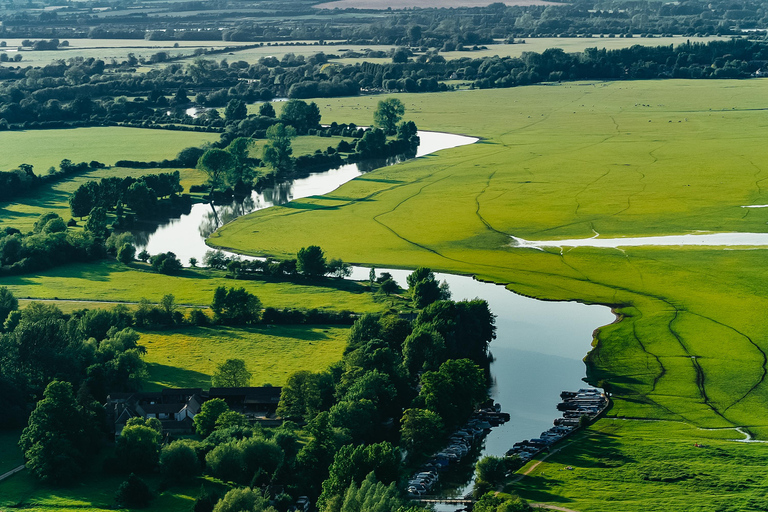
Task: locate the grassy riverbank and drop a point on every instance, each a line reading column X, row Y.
column 566, row 161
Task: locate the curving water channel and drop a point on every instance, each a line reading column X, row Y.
column 539, row 346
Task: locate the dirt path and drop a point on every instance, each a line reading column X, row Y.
column 545, row 457
column 11, row 472
column 552, row 507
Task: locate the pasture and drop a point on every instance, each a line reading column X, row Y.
column 569, row 161
column 620, row 465
column 188, row 357
column 46, row 148
column 109, row 281
column 97, row 494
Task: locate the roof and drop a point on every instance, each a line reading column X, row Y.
column 162, row 408
column 250, row 395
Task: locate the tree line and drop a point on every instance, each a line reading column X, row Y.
column 83, row 92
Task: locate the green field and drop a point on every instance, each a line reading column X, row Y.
column 46, row 148
column 95, row 494
column 620, row 465
column 188, row 357
column 110, row 281
column 23, row 212
column 566, row 161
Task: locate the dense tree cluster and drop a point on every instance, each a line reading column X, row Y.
column 389, row 367
column 49, row 244
column 93, row 350
column 138, row 194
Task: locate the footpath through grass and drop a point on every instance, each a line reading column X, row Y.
column 566, row 161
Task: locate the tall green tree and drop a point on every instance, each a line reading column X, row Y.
column 388, row 113
column 310, row 261
column 353, row 463
column 8, row 303
column 138, row 448
column 81, row 202
column 301, row 115
column 231, row 373
column 235, row 110
column 97, row 222
column 453, row 390
column 205, row 420
column 60, row 435
column 277, row 151
column 235, row 306
column 421, row 431
column 242, row 171
column 216, row 163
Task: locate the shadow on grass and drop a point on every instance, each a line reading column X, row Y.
column 161, row 375
column 379, row 180
column 593, row 450
column 293, row 205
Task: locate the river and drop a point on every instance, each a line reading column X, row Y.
column 539, row 346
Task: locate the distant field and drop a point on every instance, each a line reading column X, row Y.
column 575, row 45
column 23, row 213
column 188, row 357
column 301, row 145
column 252, row 55
column 420, row 4
column 46, row 148
column 111, row 281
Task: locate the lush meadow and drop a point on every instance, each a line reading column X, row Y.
column 188, row 357
column 111, row 281
column 46, row 148
column 569, row 161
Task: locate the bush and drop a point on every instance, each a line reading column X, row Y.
column 133, row 493
column 165, row 263
column 178, row 461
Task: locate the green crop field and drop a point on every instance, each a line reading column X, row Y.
column 23, row 212
column 46, row 148
column 188, row 357
column 110, row 281
column 569, row 161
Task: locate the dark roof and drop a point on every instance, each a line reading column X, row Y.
column 182, row 391
column 161, row 408
column 260, row 395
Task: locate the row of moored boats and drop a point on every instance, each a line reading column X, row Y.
column 459, row 445
column 587, row 403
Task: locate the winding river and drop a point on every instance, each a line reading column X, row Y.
column 539, row 346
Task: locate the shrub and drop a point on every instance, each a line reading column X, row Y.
column 133, row 493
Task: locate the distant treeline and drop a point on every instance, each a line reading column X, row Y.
column 81, row 91
column 434, row 28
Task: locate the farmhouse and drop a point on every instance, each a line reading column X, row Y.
column 176, row 408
